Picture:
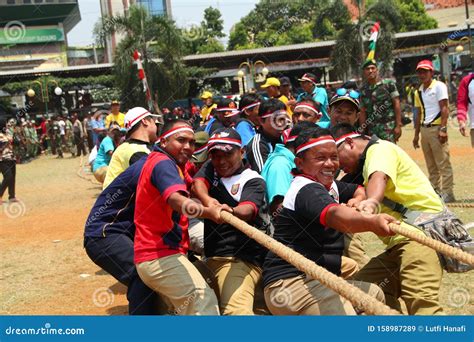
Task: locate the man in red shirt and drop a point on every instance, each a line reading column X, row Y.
column 161, row 217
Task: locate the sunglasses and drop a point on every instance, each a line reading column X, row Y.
column 352, row 93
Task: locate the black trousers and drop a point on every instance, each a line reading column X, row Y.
column 79, row 142
column 114, row 254
column 8, row 170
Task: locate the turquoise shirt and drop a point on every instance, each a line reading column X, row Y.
column 103, row 157
column 320, row 95
column 277, row 172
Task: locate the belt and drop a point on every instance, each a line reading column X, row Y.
column 429, row 125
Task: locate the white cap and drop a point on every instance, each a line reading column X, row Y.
column 135, row 115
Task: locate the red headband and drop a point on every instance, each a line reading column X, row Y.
column 314, row 142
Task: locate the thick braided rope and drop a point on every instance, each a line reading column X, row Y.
column 357, row 297
column 460, row 205
column 438, row 246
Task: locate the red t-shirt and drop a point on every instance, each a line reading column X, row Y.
column 160, row 231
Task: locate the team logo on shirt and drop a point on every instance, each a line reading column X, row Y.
column 235, row 189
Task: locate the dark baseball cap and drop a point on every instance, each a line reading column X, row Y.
column 285, row 81
column 224, row 140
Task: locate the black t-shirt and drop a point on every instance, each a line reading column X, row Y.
column 258, row 150
column 301, row 225
column 244, row 187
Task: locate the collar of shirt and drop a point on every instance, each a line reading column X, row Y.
column 422, row 87
column 281, row 149
column 138, row 141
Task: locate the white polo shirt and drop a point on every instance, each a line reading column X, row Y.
column 428, row 101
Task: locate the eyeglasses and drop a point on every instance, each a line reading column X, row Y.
column 352, row 93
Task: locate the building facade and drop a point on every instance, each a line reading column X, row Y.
column 119, row 7
column 33, row 33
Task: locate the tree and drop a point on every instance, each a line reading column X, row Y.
column 205, row 38
column 350, row 50
column 283, row 22
column 414, row 17
column 161, row 45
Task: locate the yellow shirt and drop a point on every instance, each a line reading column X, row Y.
column 119, row 118
column 285, row 100
column 206, row 111
column 407, row 184
column 121, row 160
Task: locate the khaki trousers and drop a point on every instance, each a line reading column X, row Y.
column 306, row 296
column 354, row 249
column 100, row 173
column 237, row 282
column 409, row 271
column 178, row 281
column 437, row 160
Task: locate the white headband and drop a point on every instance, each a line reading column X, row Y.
column 176, row 130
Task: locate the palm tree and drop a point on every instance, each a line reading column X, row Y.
column 160, row 43
column 350, row 49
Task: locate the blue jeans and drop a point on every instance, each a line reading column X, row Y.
column 114, row 254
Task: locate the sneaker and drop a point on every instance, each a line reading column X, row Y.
column 448, row 198
column 13, row 200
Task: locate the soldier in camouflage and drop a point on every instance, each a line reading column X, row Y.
column 56, row 141
column 380, row 105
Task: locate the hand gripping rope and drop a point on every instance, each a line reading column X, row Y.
column 438, row 246
column 357, row 297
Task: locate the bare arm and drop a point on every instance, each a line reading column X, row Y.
column 348, row 220
column 416, row 138
column 199, row 189
column 398, row 117
column 443, row 136
column 178, row 202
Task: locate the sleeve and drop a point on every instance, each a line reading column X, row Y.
column 206, row 174
column 108, row 145
column 246, row 132
column 346, row 191
column 278, row 180
column 463, row 99
column 313, row 202
column 417, row 95
column 392, row 88
column 441, row 91
column 107, row 120
column 257, row 153
column 383, row 158
column 165, row 177
column 94, row 124
column 321, row 96
column 136, row 157
column 253, row 193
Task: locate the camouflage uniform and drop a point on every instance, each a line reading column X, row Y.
column 19, row 144
column 377, row 101
column 56, row 143
column 70, row 146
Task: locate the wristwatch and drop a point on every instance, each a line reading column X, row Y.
column 443, row 129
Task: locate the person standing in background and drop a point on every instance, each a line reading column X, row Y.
column 432, row 102
column 465, row 105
